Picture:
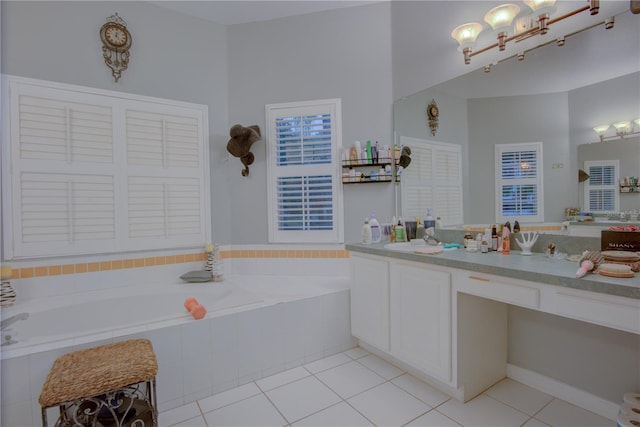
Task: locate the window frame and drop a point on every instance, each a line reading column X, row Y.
column 272, row 113
column 538, row 181
column 14, row 245
column 432, row 182
column 614, row 187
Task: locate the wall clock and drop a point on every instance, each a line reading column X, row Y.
column 433, row 114
column 116, row 42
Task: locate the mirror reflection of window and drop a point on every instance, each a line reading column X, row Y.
column 601, row 189
column 519, row 182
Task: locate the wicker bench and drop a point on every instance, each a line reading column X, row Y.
column 109, row 385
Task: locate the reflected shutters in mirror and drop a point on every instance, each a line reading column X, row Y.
column 519, row 182
column 601, row 189
column 432, row 180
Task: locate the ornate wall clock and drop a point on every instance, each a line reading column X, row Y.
column 116, row 42
column 433, row 114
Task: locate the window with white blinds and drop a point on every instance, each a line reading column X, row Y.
column 91, row 171
column 519, row 182
column 433, row 180
column 304, row 190
column 601, row 189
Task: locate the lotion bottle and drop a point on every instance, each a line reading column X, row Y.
column 376, row 232
column 366, row 232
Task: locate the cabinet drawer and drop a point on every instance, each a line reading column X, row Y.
column 614, row 312
column 502, row 289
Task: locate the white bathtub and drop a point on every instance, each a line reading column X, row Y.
column 57, row 322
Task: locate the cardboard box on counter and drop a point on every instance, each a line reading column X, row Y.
column 620, row 241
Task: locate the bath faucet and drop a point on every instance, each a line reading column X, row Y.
column 13, row 319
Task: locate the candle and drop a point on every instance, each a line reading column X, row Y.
column 5, row 272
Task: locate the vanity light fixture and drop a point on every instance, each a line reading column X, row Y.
column 622, row 129
column 500, row 19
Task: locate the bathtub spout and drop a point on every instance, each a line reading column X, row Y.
column 13, row 319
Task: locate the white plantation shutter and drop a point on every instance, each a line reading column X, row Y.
column 304, row 172
column 601, row 189
column 162, row 140
column 65, row 131
column 91, row 171
column 66, row 208
column 519, row 182
column 432, row 180
column 163, row 207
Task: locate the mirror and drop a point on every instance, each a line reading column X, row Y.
column 555, row 96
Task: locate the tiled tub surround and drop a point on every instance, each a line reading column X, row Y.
column 291, row 311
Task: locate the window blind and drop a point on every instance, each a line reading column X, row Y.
column 601, row 189
column 519, row 182
column 94, row 171
column 304, row 190
column 433, row 180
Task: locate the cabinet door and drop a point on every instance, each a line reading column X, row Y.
column 370, row 301
column 420, row 304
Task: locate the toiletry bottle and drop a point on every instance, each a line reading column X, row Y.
column 500, row 237
column 401, row 234
column 376, row 232
column 494, row 238
column 366, row 232
column 429, row 222
column 506, row 241
column 487, row 236
column 484, row 246
column 394, row 222
column 369, row 153
column 358, row 148
column 516, row 227
column 438, row 223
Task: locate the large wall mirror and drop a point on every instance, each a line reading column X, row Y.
column 555, row 96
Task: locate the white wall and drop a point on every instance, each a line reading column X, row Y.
column 345, row 54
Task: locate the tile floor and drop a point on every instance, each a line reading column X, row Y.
column 356, row 388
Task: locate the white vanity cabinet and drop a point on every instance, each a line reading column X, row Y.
column 420, row 313
column 370, row 300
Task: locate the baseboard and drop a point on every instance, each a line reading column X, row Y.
column 564, row 391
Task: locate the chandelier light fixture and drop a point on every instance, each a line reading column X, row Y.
column 535, row 19
column 622, row 129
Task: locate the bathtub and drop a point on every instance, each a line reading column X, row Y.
column 62, row 321
column 256, row 326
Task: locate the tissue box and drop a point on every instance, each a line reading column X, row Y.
column 620, row 241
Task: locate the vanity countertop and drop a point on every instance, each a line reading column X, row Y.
column 608, row 223
column 535, row 268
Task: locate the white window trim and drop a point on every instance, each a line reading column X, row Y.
column 276, row 236
column 12, row 86
column 406, row 183
column 524, row 146
column 615, row 186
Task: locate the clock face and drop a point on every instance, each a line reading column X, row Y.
column 115, row 35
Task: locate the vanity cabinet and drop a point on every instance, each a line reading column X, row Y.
column 370, row 300
column 420, row 313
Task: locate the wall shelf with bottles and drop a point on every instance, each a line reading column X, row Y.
column 363, row 173
column 630, row 188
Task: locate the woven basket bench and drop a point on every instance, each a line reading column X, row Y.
column 109, row 385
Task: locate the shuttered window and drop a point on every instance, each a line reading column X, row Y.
column 433, row 180
column 601, row 189
column 519, row 182
column 91, row 171
column 304, row 173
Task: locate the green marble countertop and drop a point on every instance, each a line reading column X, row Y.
column 535, row 268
